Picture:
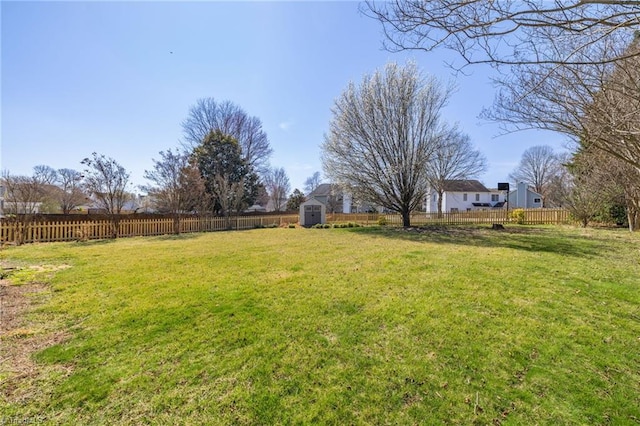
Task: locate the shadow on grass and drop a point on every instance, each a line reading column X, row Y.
column 532, row 239
column 178, row 237
column 91, row 243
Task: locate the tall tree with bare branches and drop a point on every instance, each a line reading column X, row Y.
column 209, row 115
column 537, row 168
column 506, row 33
column 23, row 196
column 70, row 194
column 382, row 136
column 107, row 182
column 592, row 104
column 599, row 178
column 278, row 186
column 173, row 190
column 312, row 182
column 565, row 66
column 453, row 159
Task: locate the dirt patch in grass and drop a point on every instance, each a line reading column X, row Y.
column 20, row 338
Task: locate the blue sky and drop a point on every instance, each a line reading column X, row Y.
column 79, row 77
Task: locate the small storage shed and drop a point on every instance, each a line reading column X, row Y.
column 312, row 212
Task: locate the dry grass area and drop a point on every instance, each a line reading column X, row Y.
column 22, row 333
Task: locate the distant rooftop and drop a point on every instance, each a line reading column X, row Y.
column 324, row 189
column 464, row 186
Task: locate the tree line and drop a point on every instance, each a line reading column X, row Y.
column 221, row 168
column 568, row 67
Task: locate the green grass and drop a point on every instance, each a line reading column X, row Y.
column 535, row 325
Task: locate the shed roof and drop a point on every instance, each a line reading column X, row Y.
column 312, row 201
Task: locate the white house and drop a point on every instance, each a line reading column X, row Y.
column 12, row 206
column 465, row 195
column 524, row 198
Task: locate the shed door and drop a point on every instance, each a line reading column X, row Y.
column 312, row 215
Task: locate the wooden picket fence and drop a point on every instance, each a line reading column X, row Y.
column 531, row 217
column 73, row 230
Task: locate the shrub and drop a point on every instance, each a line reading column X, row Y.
column 517, row 216
column 292, row 225
column 382, row 221
column 321, row 226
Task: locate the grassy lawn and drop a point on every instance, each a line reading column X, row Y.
column 533, row 325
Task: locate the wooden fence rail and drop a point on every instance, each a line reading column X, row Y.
column 72, row 230
column 531, row 217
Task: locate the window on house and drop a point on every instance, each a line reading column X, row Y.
column 477, row 197
column 495, row 197
column 435, row 197
column 536, row 200
column 454, row 210
column 464, row 197
column 468, row 209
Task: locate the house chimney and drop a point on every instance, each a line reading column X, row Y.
column 522, row 195
column 346, row 203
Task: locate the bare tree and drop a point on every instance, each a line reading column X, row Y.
column 585, row 193
column 70, row 194
column 566, row 66
column 312, row 182
column 107, row 181
column 382, row 136
column 561, row 181
column 46, row 175
column 173, row 190
column 628, row 178
column 611, row 121
column 200, row 200
column 23, row 196
column 507, row 33
column 278, row 186
column 453, row 159
column 594, row 104
column 208, row 115
column 537, row 168
column 599, row 180
column 613, row 178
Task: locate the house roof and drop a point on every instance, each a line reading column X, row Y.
column 464, row 186
column 323, row 189
column 256, row 208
